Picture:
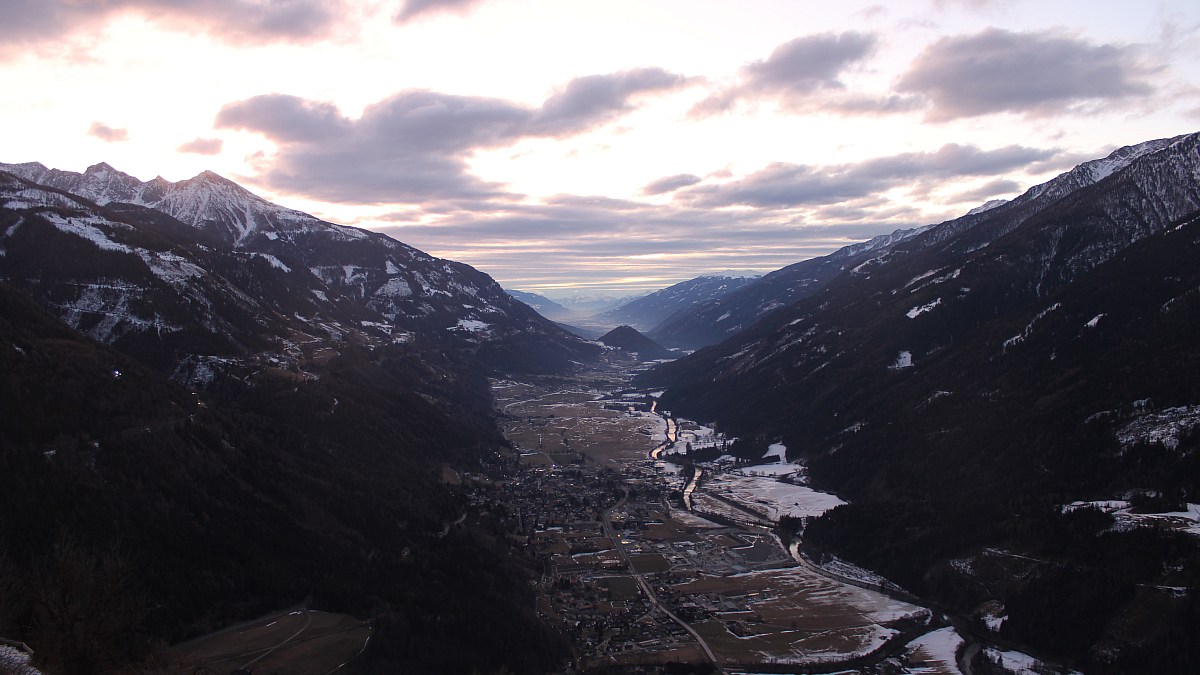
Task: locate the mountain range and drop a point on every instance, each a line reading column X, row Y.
column 648, row 311
column 202, row 271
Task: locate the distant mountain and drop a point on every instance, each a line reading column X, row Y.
column 707, row 322
column 960, row 383
column 628, row 338
column 648, row 311
column 589, row 305
column 202, row 273
column 543, row 305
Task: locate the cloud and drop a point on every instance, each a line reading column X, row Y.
column 107, row 133
column 414, row 146
column 414, row 9
column 793, row 72
column 596, row 99
column 796, row 212
column 27, row 22
column 202, row 146
column 783, row 185
column 987, row 191
column 284, row 118
column 670, row 184
column 602, row 243
column 1037, row 74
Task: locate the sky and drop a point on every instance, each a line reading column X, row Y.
column 601, row 147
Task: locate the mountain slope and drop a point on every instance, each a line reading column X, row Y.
column 932, row 290
column 964, row 383
column 648, row 311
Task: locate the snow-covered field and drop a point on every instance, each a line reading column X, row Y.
column 771, row 497
column 771, row 470
column 935, row 652
column 1187, row 521
column 1017, row 663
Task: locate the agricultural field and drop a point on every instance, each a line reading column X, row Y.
column 794, row 615
column 560, row 424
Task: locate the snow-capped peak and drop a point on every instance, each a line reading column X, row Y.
column 987, row 206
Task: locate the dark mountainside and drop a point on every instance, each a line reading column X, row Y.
column 215, row 426
column 627, row 338
column 960, row 385
column 648, row 311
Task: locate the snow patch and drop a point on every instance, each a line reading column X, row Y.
column 470, row 325
column 1020, row 337
column 394, row 288
column 777, row 450
column 13, row 660
column 1017, row 663
column 935, row 652
column 918, row 311
column 1095, row 321
column 903, row 360
column 275, row 262
column 82, row 228
column 1164, row 427
column 170, row 267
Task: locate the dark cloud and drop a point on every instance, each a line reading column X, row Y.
column 783, row 185
column 26, row 22
column 794, row 72
column 595, row 99
column 107, row 133
column 414, row 9
column 990, row 190
column 807, row 64
column 1038, row 73
column 202, row 146
column 414, row 146
column 670, row 184
column 284, row 118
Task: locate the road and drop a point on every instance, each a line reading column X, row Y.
column 646, row 588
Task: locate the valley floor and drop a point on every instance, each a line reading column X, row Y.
column 633, row 576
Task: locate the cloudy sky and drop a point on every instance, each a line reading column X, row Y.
column 601, row 145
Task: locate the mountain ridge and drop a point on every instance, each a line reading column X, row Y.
column 316, row 276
